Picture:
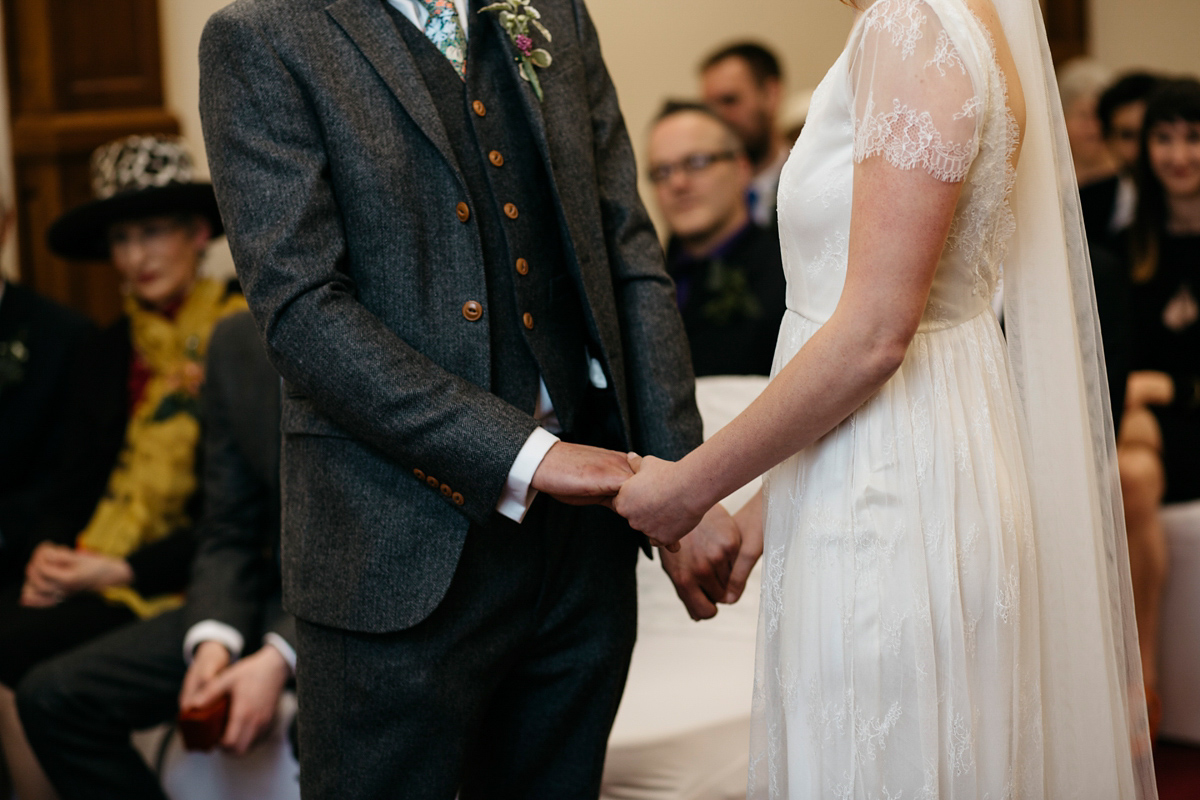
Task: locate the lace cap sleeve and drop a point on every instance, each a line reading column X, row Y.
column 915, row 103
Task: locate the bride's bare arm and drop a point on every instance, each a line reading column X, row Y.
column 899, row 224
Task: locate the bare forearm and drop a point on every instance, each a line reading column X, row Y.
column 832, row 375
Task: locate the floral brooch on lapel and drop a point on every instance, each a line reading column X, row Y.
column 517, row 16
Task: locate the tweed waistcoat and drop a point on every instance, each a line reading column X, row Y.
column 533, row 310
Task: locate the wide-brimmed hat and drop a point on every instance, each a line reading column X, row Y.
column 133, row 178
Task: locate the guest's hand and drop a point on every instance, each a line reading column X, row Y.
column 578, row 474
column 702, row 568
column 1149, row 388
column 54, row 573
column 207, row 662
column 253, row 685
column 654, row 502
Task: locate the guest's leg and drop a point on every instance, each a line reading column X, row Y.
column 27, row 637
column 1143, row 483
column 29, row 781
column 80, row 708
column 546, row 729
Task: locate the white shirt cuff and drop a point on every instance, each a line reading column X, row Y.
column 518, row 495
column 212, row 631
column 285, row 649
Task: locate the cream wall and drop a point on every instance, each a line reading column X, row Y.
column 1159, row 34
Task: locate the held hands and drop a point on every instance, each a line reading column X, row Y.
column 54, row 573
column 709, row 566
column 654, row 503
column 578, row 474
column 253, row 685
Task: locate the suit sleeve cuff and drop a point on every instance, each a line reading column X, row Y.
column 518, row 493
column 212, row 631
column 285, row 649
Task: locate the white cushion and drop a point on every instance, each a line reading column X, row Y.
column 1179, row 645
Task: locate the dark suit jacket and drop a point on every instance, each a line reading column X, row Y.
column 94, row 425
column 33, row 440
column 339, row 190
column 741, row 342
column 235, row 577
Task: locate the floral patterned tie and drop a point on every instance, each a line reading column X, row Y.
column 446, row 32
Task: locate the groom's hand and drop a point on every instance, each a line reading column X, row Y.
column 702, row 567
column 578, row 474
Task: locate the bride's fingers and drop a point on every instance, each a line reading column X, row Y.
column 635, row 461
column 670, row 548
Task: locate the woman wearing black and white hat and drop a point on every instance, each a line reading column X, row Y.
column 119, row 545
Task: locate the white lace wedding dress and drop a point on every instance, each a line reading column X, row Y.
column 899, row 634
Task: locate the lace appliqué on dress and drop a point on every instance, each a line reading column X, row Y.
column 903, row 19
column 908, row 139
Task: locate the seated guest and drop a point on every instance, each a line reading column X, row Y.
column 1080, row 82
column 1108, row 204
column 743, row 84
column 1160, row 434
column 80, row 708
column 133, row 478
column 40, row 343
column 728, row 272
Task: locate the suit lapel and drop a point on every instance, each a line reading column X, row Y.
column 371, row 29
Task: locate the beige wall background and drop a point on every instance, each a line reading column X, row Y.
column 1159, row 34
column 652, row 47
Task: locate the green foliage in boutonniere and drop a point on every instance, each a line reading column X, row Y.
column 517, row 16
column 14, row 355
column 731, row 296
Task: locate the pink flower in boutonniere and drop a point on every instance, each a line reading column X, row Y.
column 517, row 17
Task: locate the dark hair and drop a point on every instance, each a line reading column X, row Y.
column 763, row 64
column 1173, row 101
column 1130, row 88
column 672, row 107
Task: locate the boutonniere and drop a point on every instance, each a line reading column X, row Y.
column 14, row 355
column 730, row 295
column 517, row 16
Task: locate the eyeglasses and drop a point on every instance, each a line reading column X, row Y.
column 696, row 162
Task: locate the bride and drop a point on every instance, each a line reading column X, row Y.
column 946, row 609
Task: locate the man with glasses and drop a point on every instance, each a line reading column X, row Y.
column 728, row 271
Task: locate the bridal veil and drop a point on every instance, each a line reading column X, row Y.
column 1093, row 708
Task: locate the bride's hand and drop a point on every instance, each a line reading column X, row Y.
column 654, row 503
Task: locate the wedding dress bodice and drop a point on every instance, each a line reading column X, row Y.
column 962, row 130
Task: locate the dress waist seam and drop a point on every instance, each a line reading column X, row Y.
column 922, row 328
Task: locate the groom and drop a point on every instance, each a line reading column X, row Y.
column 466, row 298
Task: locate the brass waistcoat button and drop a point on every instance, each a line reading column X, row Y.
column 528, row 320
column 418, row 474
column 522, row 266
column 496, row 159
column 463, row 211
column 446, row 490
column 479, row 108
column 433, row 482
column 472, row 310
column 510, row 211
column 458, row 499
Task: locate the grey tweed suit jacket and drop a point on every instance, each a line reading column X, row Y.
column 339, row 188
